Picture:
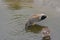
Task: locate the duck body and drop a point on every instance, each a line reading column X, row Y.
column 34, row 19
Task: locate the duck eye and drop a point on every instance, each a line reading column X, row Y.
column 43, row 17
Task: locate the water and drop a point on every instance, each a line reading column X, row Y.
column 13, row 29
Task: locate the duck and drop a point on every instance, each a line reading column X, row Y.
column 35, row 18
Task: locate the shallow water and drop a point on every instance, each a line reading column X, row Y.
column 12, row 27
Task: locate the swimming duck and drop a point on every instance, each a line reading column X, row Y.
column 35, row 18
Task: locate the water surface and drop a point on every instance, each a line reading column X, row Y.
column 12, row 27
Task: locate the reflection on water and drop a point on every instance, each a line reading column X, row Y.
column 34, row 28
column 13, row 4
column 18, row 4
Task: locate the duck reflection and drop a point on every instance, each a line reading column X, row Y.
column 34, row 28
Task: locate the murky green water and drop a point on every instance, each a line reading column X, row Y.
column 12, row 22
